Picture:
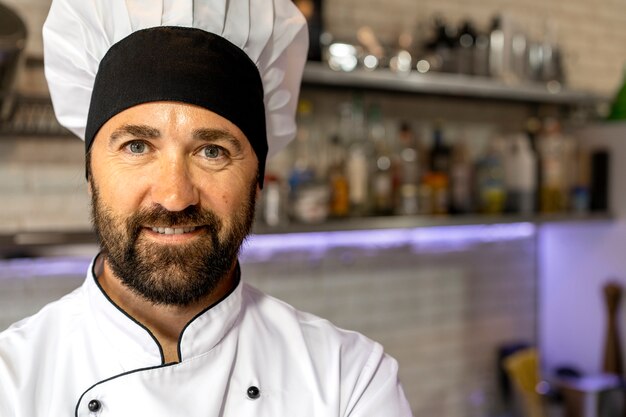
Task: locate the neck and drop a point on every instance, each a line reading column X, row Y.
column 165, row 322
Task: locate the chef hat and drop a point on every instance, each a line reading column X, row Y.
column 231, row 49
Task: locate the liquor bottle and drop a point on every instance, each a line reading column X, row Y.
column 618, row 108
column 439, row 177
column 490, row 179
column 440, row 152
column 383, row 181
column 409, row 171
column 532, row 130
column 461, row 179
column 439, row 48
column 308, row 190
column 480, row 58
column 465, row 48
column 358, row 162
column 520, row 175
column 580, row 192
column 437, row 181
column 339, row 193
column 551, row 154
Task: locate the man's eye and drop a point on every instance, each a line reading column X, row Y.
column 212, row 152
column 137, row 147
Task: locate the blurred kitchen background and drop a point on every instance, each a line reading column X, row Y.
column 455, row 192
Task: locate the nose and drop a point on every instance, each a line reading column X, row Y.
column 173, row 187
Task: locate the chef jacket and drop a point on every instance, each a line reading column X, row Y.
column 248, row 355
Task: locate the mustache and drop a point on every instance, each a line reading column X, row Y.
column 161, row 217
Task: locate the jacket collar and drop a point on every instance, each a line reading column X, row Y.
column 136, row 345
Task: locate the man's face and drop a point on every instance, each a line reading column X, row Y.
column 173, row 190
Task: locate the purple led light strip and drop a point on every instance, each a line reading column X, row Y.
column 263, row 246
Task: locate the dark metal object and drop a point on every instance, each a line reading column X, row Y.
column 13, row 36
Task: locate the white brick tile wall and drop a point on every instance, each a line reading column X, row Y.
column 441, row 312
column 442, row 315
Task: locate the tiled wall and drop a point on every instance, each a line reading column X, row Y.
column 42, row 185
column 441, row 309
column 591, row 32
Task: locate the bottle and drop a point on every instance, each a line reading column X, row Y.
column 461, row 179
column 273, row 208
column 551, row 154
column 383, row 181
column 358, row 162
column 438, row 180
column 339, row 193
column 520, row 176
column 308, row 191
column 480, row 59
column 581, row 196
column 439, row 48
column 496, row 48
column 532, row 130
column 440, row 152
column 439, row 185
column 490, row 179
column 409, row 169
column 465, row 48
column 500, row 48
column 618, row 108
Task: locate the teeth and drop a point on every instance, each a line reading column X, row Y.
column 173, row 230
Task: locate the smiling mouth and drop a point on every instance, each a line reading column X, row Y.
column 173, row 230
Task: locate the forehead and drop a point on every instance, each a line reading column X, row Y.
column 169, row 117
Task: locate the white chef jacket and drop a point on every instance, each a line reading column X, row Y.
column 84, row 349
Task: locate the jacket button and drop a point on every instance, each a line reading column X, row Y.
column 253, row 393
column 94, row 406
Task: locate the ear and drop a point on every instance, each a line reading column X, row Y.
column 89, row 188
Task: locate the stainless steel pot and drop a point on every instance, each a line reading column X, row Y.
column 13, row 36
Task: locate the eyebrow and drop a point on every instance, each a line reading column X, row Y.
column 137, row 131
column 217, row 135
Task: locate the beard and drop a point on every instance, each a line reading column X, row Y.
column 176, row 274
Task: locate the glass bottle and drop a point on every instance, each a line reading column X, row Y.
column 551, row 153
column 383, row 181
column 409, row 172
column 490, row 179
column 520, row 170
column 438, row 179
column 358, row 162
column 308, row 191
column 461, row 179
column 339, row 192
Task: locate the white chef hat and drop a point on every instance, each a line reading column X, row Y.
column 78, row 34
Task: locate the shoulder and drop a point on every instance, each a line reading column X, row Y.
column 27, row 341
column 54, row 314
column 282, row 318
column 364, row 377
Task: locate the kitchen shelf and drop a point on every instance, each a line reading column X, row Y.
column 409, row 222
column 446, row 84
column 17, row 243
column 32, row 116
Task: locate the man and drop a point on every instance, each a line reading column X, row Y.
column 186, row 98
